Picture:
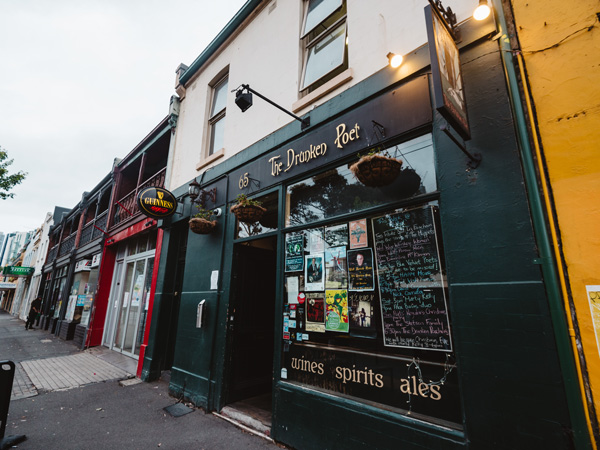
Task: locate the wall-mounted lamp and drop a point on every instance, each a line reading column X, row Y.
column 244, row 101
column 199, row 196
column 394, row 59
column 482, row 11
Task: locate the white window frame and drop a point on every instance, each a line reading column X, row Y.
column 218, row 115
column 314, row 36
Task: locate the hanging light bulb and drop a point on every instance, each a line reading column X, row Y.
column 482, row 11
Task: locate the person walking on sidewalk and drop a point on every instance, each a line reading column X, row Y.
column 34, row 310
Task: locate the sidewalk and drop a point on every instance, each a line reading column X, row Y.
column 68, row 399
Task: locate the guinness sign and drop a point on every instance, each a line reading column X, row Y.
column 156, row 202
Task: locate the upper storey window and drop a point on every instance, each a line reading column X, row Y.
column 324, row 38
column 217, row 116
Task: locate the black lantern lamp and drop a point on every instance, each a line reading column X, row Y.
column 194, row 190
column 198, row 195
column 243, row 98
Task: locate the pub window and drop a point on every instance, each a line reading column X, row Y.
column 216, row 121
column 319, row 198
column 365, row 300
column 323, row 38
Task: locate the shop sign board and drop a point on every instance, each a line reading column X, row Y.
column 422, row 388
column 4, row 285
column 18, row 271
column 96, row 260
column 83, row 265
column 156, row 202
column 446, row 75
column 394, row 113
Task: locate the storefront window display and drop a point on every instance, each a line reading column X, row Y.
column 366, row 311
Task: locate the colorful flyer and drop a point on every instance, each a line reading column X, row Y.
column 336, row 310
column 294, row 252
column 315, row 312
column 360, row 270
column 337, row 235
column 336, row 268
column 313, row 275
column 358, row 233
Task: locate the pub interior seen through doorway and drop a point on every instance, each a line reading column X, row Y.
column 251, row 327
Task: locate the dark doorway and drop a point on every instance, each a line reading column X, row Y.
column 181, row 235
column 252, row 320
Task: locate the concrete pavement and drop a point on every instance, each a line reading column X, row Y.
column 64, row 398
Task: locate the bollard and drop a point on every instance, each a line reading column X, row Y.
column 7, row 375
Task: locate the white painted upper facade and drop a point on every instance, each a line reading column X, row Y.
column 266, row 52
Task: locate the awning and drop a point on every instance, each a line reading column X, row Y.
column 6, row 286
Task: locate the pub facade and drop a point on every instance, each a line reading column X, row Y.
column 399, row 305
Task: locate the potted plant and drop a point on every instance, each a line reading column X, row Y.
column 201, row 222
column 247, row 210
column 376, row 169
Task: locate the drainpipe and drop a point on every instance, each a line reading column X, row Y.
column 581, row 436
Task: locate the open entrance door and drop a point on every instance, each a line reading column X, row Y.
column 251, row 328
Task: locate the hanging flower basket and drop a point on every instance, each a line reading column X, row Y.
column 376, row 170
column 202, row 226
column 248, row 213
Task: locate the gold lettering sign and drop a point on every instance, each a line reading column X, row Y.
column 293, row 157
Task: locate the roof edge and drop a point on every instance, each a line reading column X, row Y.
column 244, row 12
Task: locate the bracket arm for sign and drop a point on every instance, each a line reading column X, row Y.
column 474, row 160
column 100, row 229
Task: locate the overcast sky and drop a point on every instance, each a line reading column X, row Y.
column 83, row 82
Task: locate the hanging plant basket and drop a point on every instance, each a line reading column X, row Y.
column 376, row 170
column 202, row 226
column 248, row 213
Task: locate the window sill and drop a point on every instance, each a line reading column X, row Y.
column 315, row 95
column 212, row 158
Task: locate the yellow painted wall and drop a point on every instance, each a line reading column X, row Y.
column 560, row 41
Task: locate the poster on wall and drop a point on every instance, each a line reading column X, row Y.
column 448, row 91
column 294, row 252
column 292, row 289
column 593, row 293
column 336, row 310
column 358, row 233
column 336, row 268
column 412, row 287
column 336, row 236
column 315, row 312
column 316, row 242
column 361, row 311
column 314, row 273
column 361, row 271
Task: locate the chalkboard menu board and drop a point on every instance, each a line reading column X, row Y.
column 411, row 284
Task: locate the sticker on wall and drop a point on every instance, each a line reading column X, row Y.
column 315, row 312
column 358, row 233
column 336, row 236
column 593, row 293
column 314, row 272
column 336, row 310
column 360, row 271
column 336, row 268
